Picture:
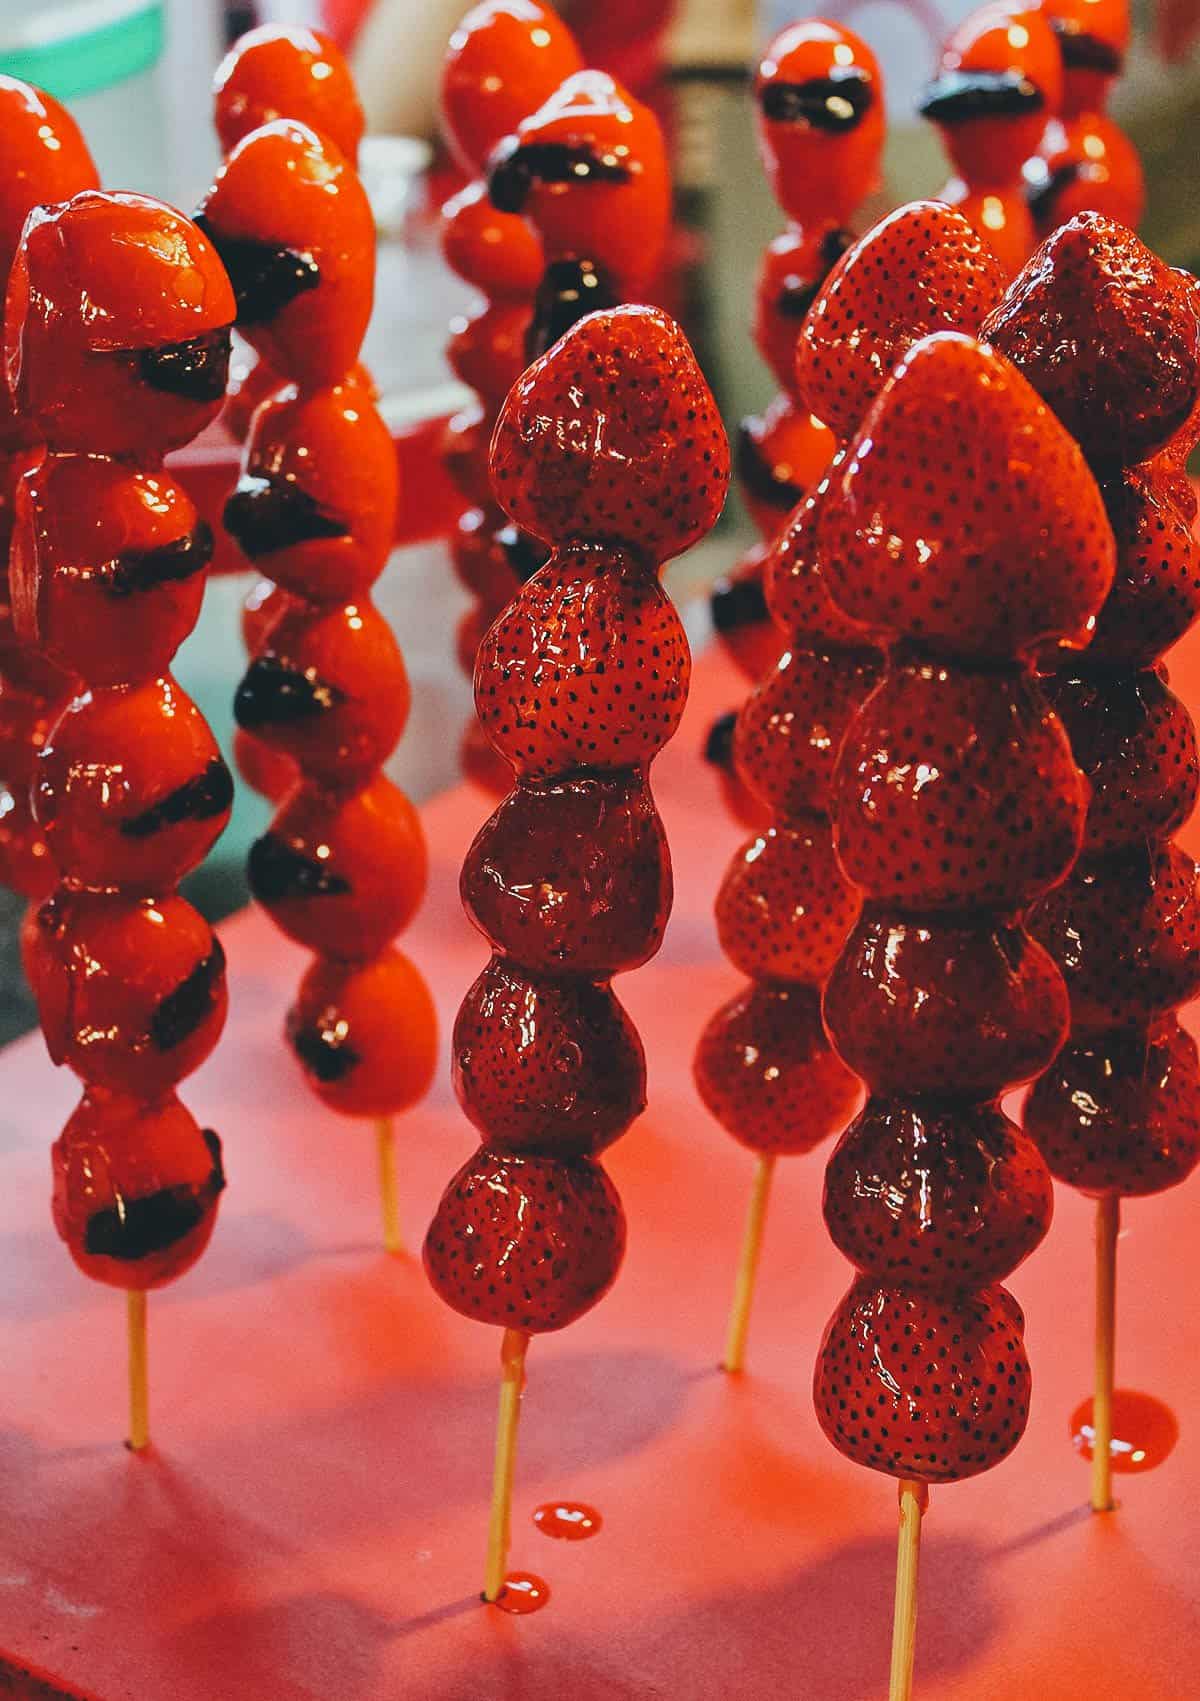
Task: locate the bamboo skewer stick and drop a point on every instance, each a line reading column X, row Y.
column 1108, row 1226
column 139, row 1390
column 393, row 1240
column 734, row 1359
column 512, row 1383
column 914, row 1498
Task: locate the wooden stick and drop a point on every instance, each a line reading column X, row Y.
column 734, row 1360
column 393, row 1240
column 914, row 1498
column 139, row 1391
column 512, row 1383
column 1108, row 1226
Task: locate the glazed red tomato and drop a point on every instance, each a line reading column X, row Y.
column 292, row 222
column 315, row 506
column 107, row 567
column 365, row 1035
column 504, row 59
column 136, row 1188
column 130, row 790
column 283, row 71
column 117, row 326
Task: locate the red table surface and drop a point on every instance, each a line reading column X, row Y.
column 311, row 1520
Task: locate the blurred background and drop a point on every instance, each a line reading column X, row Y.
column 137, row 74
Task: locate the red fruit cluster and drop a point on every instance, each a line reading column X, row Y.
column 819, row 110
column 610, row 450
column 1120, row 1110
column 118, row 334
column 763, row 1066
column 503, row 61
column 325, row 698
column 956, row 806
column 999, row 81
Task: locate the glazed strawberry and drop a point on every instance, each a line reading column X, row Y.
column 794, row 266
column 464, row 453
column 796, row 593
column 764, row 1069
column 572, row 876
column 902, row 985
column 136, row 1188
column 784, row 907
column 131, row 992
column 527, row 1243
column 130, row 790
column 492, row 559
column 365, row 1034
column 957, row 790
column 1155, row 595
column 25, row 863
column 329, row 689
column 779, row 457
column 739, row 614
column 1085, row 165
column 314, row 508
column 504, row 59
column 486, row 350
column 790, row 730
column 1136, row 744
column 283, row 71
column 1109, row 337
column 1126, row 932
column 265, row 602
column 948, row 1199
column 264, row 770
column 613, row 437
column 929, row 1386
column 921, row 269
column 1093, row 38
column 588, row 667
column 1121, row 1113
column 341, row 874
column 498, row 252
column 550, row 1066
column 1024, row 554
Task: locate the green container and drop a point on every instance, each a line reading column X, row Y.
column 77, row 49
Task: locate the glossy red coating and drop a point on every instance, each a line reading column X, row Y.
column 1085, row 164
column 999, row 78
column 789, row 731
column 25, row 862
column 130, row 790
column 291, row 218
column 341, row 874
column 794, row 266
column 498, row 252
column 107, row 568
column 365, row 1034
column 819, row 113
column 784, row 907
column 136, row 1188
column 285, row 71
column 130, row 991
column 781, row 454
column 505, row 58
column 117, row 326
column 1093, row 38
column 1155, row 595
column 486, row 350
column 328, row 688
column 525, row 1242
column 264, row 770
column 315, row 506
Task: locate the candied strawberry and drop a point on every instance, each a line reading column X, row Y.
column 780, row 454
column 990, row 540
column 527, row 1243
column 902, row 985
column 766, row 1071
column 264, row 770
column 1135, row 742
column 554, row 1066
column 25, row 864
column 1108, row 335
column 587, row 668
column 785, row 907
column 790, row 729
column 921, row 269
column 794, row 266
column 1126, row 933
column 739, row 615
column 796, row 593
column 328, row 688
column 572, row 876
column 613, row 435
column 924, row 1385
column 498, row 252
column 1121, row 1113
column 341, row 875
column 365, row 1034
column 939, row 1197
column 486, row 349
column 1155, row 594
column 957, row 790
column 264, row 604
column 464, row 454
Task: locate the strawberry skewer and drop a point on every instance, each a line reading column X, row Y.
column 1119, row 1113
column 610, row 450
column 956, row 806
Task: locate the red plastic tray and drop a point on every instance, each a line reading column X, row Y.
column 311, row 1521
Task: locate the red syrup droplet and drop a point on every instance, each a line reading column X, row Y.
column 522, row 1593
column 1144, row 1431
column 568, row 1520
